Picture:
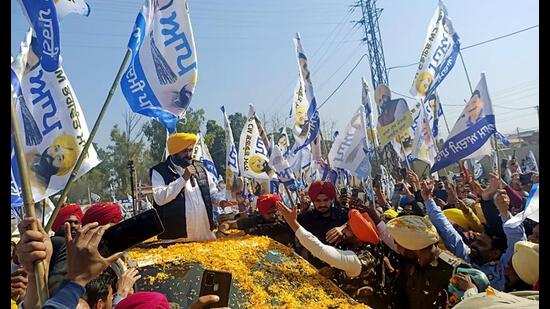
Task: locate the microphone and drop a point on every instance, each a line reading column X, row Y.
column 192, row 178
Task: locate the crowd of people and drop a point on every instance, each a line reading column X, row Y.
column 435, row 244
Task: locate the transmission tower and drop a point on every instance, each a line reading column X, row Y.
column 369, row 22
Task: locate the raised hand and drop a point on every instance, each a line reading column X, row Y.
column 488, row 193
column 84, row 262
column 336, row 235
column 125, row 284
column 427, row 187
column 502, row 202
column 413, row 179
column 290, row 215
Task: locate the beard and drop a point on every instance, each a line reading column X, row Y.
column 182, row 161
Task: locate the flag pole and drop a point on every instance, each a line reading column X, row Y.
column 84, row 151
column 39, row 266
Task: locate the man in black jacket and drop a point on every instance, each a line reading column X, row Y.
column 183, row 193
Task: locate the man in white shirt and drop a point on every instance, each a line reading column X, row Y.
column 183, row 193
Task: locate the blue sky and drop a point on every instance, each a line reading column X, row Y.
column 246, row 54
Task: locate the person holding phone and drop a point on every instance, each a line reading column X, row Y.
column 183, row 193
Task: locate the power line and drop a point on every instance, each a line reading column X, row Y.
column 404, row 66
column 470, row 46
column 345, row 78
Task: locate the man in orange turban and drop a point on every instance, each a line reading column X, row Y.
column 323, row 217
column 183, row 193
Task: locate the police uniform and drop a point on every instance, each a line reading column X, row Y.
column 372, row 278
column 426, row 287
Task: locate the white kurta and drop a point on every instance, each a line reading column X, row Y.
column 198, row 227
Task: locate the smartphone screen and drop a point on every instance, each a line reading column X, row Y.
column 130, row 232
column 216, row 283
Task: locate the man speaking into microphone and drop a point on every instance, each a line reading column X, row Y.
column 183, row 193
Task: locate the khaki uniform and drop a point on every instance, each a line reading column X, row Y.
column 426, row 287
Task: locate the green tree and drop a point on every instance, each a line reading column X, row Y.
column 193, row 121
column 215, row 141
column 237, row 121
column 96, row 180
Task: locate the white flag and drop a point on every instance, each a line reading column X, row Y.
column 531, row 209
column 160, row 79
column 66, row 7
column 52, row 122
column 441, row 47
column 253, row 160
column 231, row 161
column 313, row 121
column 349, row 150
column 532, row 162
column 284, row 172
column 369, row 115
column 424, row 148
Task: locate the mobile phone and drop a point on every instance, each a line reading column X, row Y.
column 344, row 191
column 130, row 232
column 216, row 283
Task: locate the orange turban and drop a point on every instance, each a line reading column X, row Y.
column 363, row 227
column 102, row 213
column 321, row 187
column 180, row 141
column 64, row 214
column 266, row 202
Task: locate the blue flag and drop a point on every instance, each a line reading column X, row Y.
column 161, row 77
column 42, row 15
column 470, row 135
column 441, row 48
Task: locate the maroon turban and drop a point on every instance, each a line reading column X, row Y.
column 64, row 214
column 144, row 300
column 321, row 187
column 266, row 202
column 102, row 213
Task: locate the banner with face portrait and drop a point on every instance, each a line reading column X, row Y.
column 160, row 79
column 253, row 157
column 52, row 123
column 305, row 92
column 441, row 47
column 469, row 138
column 283, row 142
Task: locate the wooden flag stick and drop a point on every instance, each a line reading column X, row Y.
column 39, row 266
column 84, row 153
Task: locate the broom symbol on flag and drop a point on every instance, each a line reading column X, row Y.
column 33, row 136
column 164, row 72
